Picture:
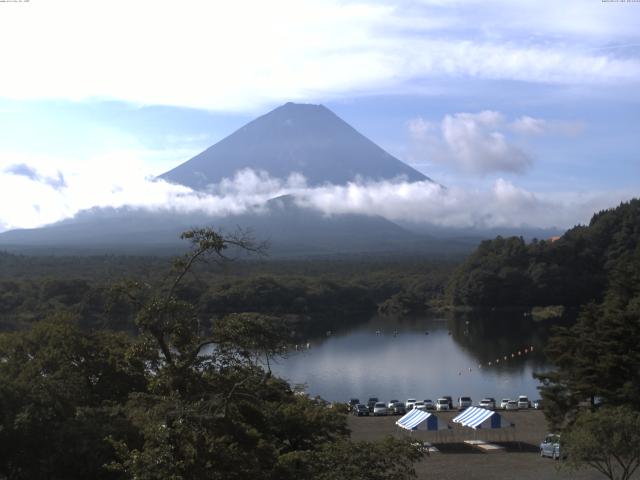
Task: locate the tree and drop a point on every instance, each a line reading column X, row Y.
column 597, row 358
column 60, row 391
column 607, row 440
column 179, row 400
column 258, row 337
column 211, row 410
column 389, row 459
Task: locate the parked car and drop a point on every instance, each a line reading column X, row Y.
column 391, row 402
column 360, row 409
column 410, row 403
column 353, row 402
column 464, row 402
column 428, row 403
column 488, row 403
column 399, row 408
column 419, row 405
column 537, row 404
column 449, row 400
column 372, row 402
column 523, row 402
column 379, row 409
column 511, row 405
column 503, row 403
column 442, row 404
column 550, row 446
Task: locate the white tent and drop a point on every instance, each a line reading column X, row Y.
column 421, row 420
column 476, row 418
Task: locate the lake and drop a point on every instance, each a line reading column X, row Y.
column 423, row 357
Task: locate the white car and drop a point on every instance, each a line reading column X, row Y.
column 442, row 404
column 428, row 403
column 488, row 403
column 419, row 405
column 511, row 405
column 379, row 409
column 523, row 402
column 410, row 403
column 503, row 403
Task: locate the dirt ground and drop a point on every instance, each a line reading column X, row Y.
column 521, row 459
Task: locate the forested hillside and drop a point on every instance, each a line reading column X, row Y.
column 318, row 294
column 577, row 268
column 81, row 403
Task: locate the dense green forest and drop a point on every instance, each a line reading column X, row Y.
column 106, row 369
column 79, row 402
column 577, row 268
column 319, row 294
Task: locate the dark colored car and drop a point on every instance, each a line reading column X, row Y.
column 372, row 402
column 397, row 408
column 360, row 410
column 464, row 403
column 353, row 402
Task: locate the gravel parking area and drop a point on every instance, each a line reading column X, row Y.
column 521, row 458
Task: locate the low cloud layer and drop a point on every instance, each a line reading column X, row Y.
column 32, row 200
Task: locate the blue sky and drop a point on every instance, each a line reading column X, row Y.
column 528, row 111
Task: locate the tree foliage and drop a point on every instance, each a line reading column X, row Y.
column 607, row 440
column 592, row 392
column 573, row 270
column 61, row 391
column 180, row 400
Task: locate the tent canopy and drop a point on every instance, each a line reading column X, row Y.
column 421, row 420
column 476, row 417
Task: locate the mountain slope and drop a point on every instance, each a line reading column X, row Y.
column 302, row 138
column 305, row 139
column 287, row 228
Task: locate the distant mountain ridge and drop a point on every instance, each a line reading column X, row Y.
column 288, row 229
column 294, row 138
column 302, row 138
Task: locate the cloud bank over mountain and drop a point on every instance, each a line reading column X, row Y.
column 504, row 204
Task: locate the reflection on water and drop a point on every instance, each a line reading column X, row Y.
column 423, row 358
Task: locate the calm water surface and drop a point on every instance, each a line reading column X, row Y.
column 402, row 361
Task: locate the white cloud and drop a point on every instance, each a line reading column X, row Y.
column 471, row 142
column 247, row 54
column 30, row 201
column 503, row 205
column 527, row 125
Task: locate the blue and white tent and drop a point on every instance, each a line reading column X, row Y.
column 421, row 420
column 476, row 417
